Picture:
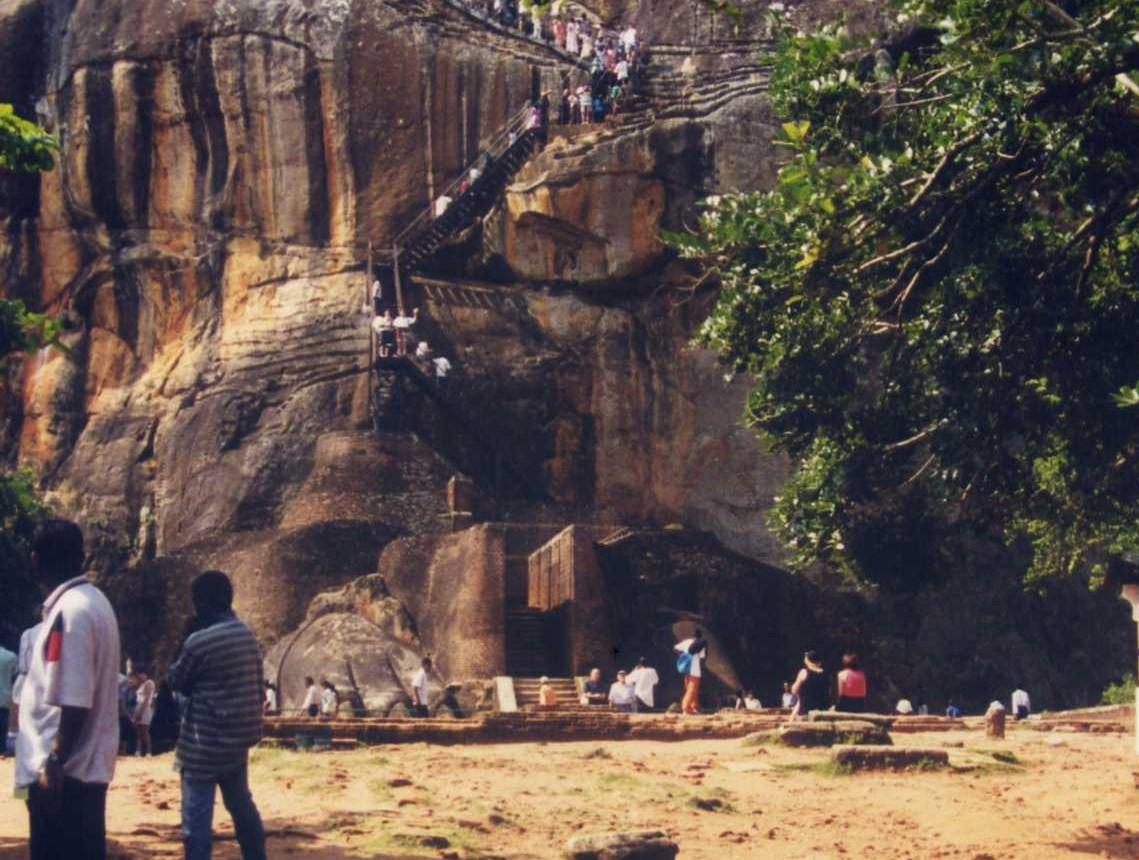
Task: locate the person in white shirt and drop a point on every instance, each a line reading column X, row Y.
column 69, row 707
column 789, row 700
column 442, row 368
column 697, row 650
column 377, row 296
column 442, row 204
column 643, row 678
column 329, row 701
column 904, row 707
column 751, row 701
column 143, row 712
column 622, row 697
column 382, row 325
column 402, row 325
column 270, row 704
column 423, row 351
column 311, row 705
column 27, row 639
column 419, row 683
column 1021, row 704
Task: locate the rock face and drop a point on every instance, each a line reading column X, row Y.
column 222, row 168
column 638, row 845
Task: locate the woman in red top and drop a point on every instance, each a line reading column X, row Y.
column 851, row 686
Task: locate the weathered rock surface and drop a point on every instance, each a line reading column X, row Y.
column 802, row 734
column 638, row 845
column 859, row 758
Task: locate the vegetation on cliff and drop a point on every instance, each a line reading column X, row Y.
column 24, row 146
column 938, row 299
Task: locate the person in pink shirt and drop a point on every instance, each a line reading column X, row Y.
column 851, row 686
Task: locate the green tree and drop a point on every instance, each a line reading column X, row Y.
column 939, row 298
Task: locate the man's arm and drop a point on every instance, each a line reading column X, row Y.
column 183, row 672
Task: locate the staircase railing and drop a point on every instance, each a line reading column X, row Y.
column 497, row 147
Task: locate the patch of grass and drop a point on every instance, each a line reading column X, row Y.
column 825, row 768
column 761, row 739
column 599, row 752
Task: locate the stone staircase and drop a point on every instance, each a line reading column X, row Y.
column 526, row 651
column 526, row 692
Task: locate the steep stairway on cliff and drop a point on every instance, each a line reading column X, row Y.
column 437, row 419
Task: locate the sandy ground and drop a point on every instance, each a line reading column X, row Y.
column 1056, row 796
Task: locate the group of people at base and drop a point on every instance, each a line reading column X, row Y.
column 631, row 692
column 68, row 707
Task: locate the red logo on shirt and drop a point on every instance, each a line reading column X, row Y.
column 54, row 646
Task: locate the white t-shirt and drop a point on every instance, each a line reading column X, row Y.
column 643, row 679
column 74, row 663
column 270, row 700
column 752, row 703
column 381, row 324
column 620, row 694
column 419, row 684
column 144, row 699
column 328, row 703
column 27, row 640
column 442, row 367
column 697, row 658
column 442, row 204
column 403, row 322
column 1020, row 700
column 311, row 697
column 790, row 700
column 904, row 707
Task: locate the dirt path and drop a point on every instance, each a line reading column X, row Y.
column 1056, row 796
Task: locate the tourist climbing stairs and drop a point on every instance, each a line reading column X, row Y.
column 512, row 147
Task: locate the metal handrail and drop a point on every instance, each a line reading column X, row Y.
column 498, row 146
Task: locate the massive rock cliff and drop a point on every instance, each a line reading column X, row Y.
column 222, row 168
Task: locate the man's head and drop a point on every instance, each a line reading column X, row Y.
column 211, row 592
column 309, row 681
column 621, row 677
column 57, row 551
column 426, row 663
column 595, row 675
column 641, row 662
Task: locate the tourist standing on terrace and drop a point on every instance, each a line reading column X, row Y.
column 143, row 712
column 1021, row 704
column 310, row 707
column 789, row 700
column 219, row 671
column 693, row 653
column 329, row 700
column 644, row 678
column 419, row 684
column 811, row 686
column 69, row 737
column 621, row 695
column 595, row 693
column 851, row 686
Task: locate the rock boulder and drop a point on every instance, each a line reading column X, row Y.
column 636, row 845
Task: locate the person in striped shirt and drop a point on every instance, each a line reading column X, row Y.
column 219, row 671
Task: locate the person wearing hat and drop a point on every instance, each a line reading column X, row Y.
column 547, row 697
column 810, row 686
column 621, row 695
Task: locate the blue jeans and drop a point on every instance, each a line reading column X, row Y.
column 198, row 815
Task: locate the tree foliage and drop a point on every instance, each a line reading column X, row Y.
column 24, row 147
column 939, row 298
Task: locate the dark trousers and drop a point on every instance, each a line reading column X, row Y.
column 75, row 830
column 851, row 704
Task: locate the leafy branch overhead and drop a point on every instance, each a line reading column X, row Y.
column 939, row 298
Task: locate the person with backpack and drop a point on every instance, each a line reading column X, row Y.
column 689, row 663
